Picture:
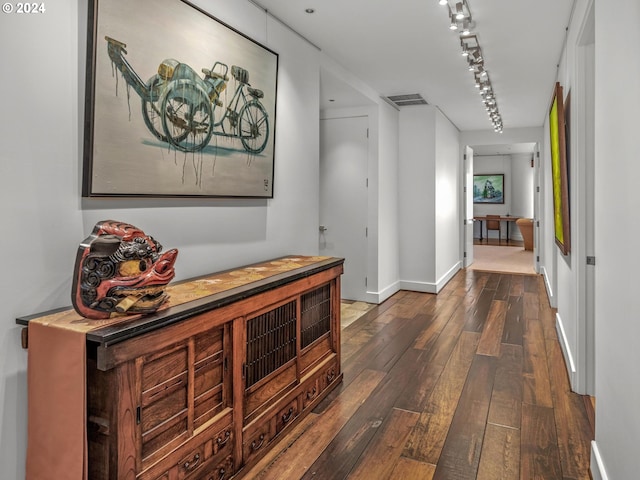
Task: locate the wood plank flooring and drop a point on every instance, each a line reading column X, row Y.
column 466, row 384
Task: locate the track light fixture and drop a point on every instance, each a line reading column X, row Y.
column 454, row 23
column 460, row 19
column 466, row 27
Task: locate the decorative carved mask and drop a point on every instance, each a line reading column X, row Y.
column 119, row 269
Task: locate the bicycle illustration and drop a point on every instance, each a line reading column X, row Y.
column 183, row 109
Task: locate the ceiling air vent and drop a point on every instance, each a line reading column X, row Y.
column 408, row 99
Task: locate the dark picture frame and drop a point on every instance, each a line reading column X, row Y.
column 559, row 171
column 488, row 188
column 177, row 103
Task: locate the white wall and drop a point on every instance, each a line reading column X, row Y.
column 44, row 217
column 491, row 164
column 429, row 199
column 388, row 227
column 617, row 170
column 614, row 452
column 570, row 297
column 448, row 200
column 417, row 198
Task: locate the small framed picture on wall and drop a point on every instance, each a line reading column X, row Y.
column 488, row 188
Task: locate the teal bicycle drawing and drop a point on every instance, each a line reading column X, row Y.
column 185, row 110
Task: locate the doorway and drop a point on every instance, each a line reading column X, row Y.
column 344, row 153
column 514, row 165
column 468, row 207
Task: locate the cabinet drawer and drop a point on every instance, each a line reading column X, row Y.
column 191, row 463
column 197, row 455
column 164, row 476
column 214, row 452
column 286, row 415
column 223, row 470
column 260, row 433
column 256, row 438
column 310, row 391
column 330, row 374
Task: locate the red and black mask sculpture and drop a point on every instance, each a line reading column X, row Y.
column 119, row 269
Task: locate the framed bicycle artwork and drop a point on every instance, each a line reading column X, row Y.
column 177, row 104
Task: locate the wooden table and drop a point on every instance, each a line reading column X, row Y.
column 503, row 218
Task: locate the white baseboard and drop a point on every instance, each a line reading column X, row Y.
column 545, row 275
column 430, row 287
column 598, row 471
column 448, row 276
column 381, row 296
column 566, row 351
column 414, row 286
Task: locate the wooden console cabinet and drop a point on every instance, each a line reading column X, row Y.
column 202, row 390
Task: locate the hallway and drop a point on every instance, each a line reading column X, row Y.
column 467, row 384
column 511, row 258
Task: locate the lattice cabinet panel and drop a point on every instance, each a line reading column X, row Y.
column 315, row 318
column 271, row 342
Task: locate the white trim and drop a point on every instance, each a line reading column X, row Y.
column 547, row 284
column 448, row 276
column 598, row 472
column 381, row 296
column 414, row 286
column 429, row 287
column 566, row 350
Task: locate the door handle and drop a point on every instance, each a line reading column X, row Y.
column 322, row 229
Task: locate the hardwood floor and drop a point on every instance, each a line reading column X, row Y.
column 466, row 384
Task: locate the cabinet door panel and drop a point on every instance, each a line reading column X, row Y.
column 208, row 406
column 157, row 369
column 209, row 385
column 164, row 405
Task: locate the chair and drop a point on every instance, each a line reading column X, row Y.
column 526, row 229
column 493, row 223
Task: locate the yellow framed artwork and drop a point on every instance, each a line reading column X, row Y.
column 559, row 172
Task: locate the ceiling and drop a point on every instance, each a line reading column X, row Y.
column 406, row 46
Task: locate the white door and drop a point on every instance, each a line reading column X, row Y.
column 344, row 152
column 537, row 207
column 468, row 206
column 585, row 213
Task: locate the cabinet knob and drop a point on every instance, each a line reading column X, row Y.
column 255, row 445
column 222, row 472
column 221, row 441
column 287, row 416
column 311, row 393
column 191, row 464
